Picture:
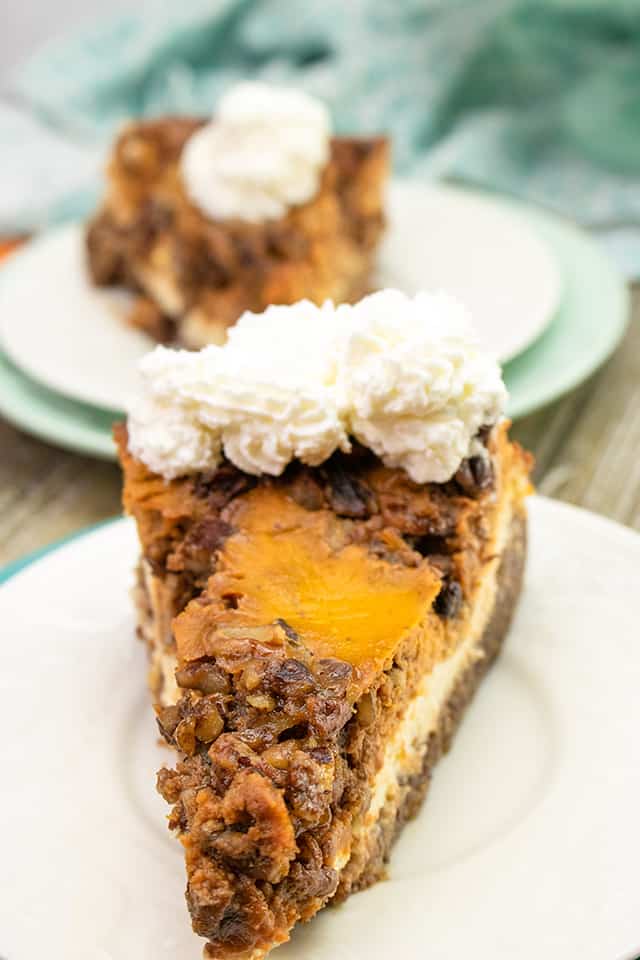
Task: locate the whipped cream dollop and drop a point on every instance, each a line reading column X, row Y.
column 262, row 153
column 404, row 376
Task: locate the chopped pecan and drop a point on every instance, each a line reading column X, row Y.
column 203, row 675
column 290, row 678
column 258, row 837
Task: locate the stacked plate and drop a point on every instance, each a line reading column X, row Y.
column 542, row 295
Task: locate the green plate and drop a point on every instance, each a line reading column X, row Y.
column 589, row 324
column 52, row 417
column 585, row 330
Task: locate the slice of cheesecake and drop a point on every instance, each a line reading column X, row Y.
column 194, row 273
column 314, row 638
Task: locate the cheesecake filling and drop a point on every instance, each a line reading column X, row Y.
column 405, row 750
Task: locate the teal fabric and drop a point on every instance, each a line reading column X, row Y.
column 535, row 98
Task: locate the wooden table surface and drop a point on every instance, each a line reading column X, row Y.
column 587, row 447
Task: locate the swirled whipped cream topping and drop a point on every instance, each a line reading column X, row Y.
column 262, row 153
column 402, row 375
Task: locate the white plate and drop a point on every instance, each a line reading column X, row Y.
column 64, row 332
column 73, row 338
column 527, row 847
column 485, row 252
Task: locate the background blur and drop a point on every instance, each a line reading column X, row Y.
column 534, row 98
column 27, row 25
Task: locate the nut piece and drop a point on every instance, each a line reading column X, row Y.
column 261, row 701
column 251, row 677
column 168, row 720
column 185, row 736
column 366, row 711
column 334, row 675
column 204, row 676
column 209, row 726
column 291, row 677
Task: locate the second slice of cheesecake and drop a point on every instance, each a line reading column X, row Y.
column 194, row 273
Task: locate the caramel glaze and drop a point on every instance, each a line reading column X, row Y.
column 353, row 568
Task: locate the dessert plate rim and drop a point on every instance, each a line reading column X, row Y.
column 559, row 534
